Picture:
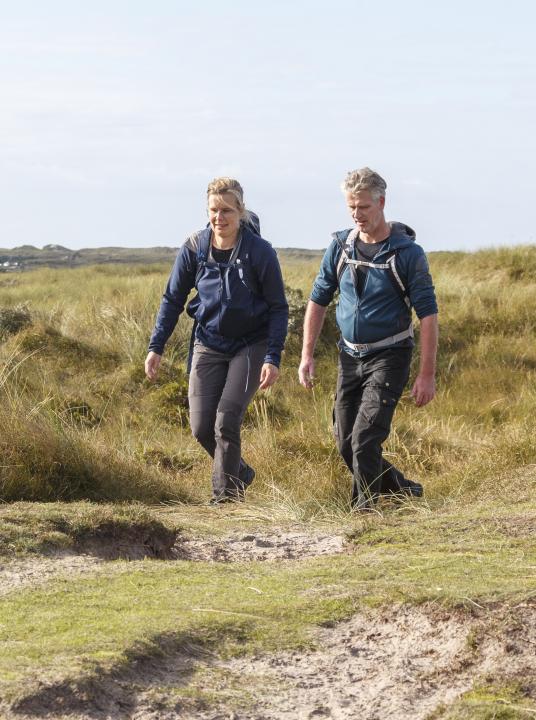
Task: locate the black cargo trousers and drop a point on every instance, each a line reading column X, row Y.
column 368, row 390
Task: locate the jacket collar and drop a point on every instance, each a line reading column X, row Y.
column 401, row 236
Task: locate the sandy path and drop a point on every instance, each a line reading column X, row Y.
column 37, row 571
column 260, row 546
column 389, row 665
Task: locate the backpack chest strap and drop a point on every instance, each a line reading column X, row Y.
column 365, row 263
column 389, row 265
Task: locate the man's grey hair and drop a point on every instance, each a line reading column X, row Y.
column 365, row 179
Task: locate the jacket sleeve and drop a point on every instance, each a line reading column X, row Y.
column 273, row 291
column 325, row 284
column 420, row 287
column 181, row 281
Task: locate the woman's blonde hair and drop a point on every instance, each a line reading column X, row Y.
column 222, row 185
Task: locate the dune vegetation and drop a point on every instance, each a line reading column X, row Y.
column 79, row 421
column 92, row 451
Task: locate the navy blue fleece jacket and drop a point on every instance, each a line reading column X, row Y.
column 262, row 275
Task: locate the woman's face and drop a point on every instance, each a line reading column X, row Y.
column 223, row 215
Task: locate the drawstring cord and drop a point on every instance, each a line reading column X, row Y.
column 227, row 287
column 249, row 368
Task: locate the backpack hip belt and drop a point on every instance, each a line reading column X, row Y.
column 386, row 342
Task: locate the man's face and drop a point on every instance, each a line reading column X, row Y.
column 366, row 212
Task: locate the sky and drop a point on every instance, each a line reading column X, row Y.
column 115, row 115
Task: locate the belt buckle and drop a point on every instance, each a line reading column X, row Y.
column 362, row 347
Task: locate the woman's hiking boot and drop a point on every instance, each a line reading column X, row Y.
column 237, row 493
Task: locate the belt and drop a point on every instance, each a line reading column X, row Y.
column 386, row 342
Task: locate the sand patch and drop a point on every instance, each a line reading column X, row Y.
column 37, row 571
column 259, row 547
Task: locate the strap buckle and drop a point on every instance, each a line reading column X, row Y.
column 358, row 347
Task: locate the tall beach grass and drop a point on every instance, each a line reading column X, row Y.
column 78, row 419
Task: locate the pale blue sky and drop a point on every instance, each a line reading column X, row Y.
column 116, row 114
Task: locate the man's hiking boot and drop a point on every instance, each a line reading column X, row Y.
column 249, row 477
column 408, row 487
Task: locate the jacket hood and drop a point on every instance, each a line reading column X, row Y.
column 401, row 235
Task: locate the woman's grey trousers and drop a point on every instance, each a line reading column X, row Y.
column 220, row 389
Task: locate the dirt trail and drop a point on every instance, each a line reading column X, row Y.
column 398, row 665
column 37, row 571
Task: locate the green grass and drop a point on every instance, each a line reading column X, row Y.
column 80, row 626
column 492, row 701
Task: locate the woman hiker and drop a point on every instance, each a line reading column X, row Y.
column 241, row 315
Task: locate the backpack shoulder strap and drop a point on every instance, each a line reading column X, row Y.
column 203, row 248
column 345, row 254
column 341, row 263
column 395, row 278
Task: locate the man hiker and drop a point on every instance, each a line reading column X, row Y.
column 381, row 274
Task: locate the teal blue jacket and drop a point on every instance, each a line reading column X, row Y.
column 380, row 311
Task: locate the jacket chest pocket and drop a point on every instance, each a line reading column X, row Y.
column 209, row 294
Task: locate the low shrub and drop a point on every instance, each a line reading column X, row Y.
column 13, row 320
column 50, row 342
column 297, row 305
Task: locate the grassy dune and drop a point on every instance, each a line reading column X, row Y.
column 73, row 389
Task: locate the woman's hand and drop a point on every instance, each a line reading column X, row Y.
column 152, row 363
column 269, row 374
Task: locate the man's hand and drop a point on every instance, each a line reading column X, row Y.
column 306, row 372
column 423, row 390
column 152, row 363
column 269, row 375
column 424, row 387
column 312, row 325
